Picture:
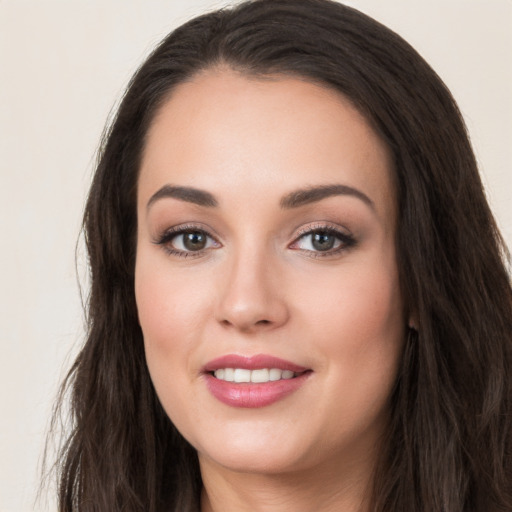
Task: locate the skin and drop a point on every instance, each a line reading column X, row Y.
column 261, row 287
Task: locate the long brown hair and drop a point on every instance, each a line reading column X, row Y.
column 449, row 442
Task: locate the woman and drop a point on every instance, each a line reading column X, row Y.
column 299, row 299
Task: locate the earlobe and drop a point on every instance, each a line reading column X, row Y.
column 413, row 323
column 413, row 326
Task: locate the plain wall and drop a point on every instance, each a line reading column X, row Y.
column 63, row 65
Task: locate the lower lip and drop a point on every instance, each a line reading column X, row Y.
column 252, row 395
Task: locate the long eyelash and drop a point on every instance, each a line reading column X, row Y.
column 348, row 240
column 169, row 234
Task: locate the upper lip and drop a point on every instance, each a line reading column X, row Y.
column 252, row 363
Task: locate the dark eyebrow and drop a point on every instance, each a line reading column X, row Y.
column 313, row 194
column 188, row 194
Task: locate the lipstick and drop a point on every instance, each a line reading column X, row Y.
column 250, row 382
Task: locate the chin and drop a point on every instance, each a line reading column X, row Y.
column 254, row 454
column 250, row 462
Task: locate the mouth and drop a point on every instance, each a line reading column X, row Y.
column 255, row 381
column 257, row 376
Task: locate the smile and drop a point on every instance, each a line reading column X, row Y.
column 261, row 375
column 253, row 381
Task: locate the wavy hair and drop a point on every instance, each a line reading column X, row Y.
column 449, row 445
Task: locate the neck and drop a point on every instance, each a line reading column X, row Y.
column 340, row 489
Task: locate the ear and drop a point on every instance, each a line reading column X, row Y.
column 412, row 323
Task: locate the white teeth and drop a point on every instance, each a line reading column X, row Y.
column 260, row 375
column 275, row 374
column 287, row 374
column 242, row 375
column 257, row 376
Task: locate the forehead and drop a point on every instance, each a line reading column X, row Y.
column 224, row 130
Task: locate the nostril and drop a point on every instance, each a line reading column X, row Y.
column 262, row 322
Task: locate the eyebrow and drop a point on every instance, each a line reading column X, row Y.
column 313, row 194
column 188, row 194
column 294, row 199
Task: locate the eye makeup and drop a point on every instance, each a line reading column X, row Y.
column 319, row 240
column 186, row 240
column 323, row 240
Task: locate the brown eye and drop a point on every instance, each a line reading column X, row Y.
column 194, row 240
column 187, row 241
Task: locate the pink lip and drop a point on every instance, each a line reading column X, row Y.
column 252, row 395
column 252, row 363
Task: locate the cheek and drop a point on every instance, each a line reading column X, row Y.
column 358, row 323
column 356, row 306
column 359, row 330
column 171, row 312
column 375, row 309
column 170, row 315
column 169, row 305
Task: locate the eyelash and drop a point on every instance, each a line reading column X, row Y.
column 170, row 234
column 346, row 241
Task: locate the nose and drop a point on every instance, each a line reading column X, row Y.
column 251, row 296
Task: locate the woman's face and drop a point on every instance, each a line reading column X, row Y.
column 266, row 226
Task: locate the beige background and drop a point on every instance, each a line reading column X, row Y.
column 63, row 64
